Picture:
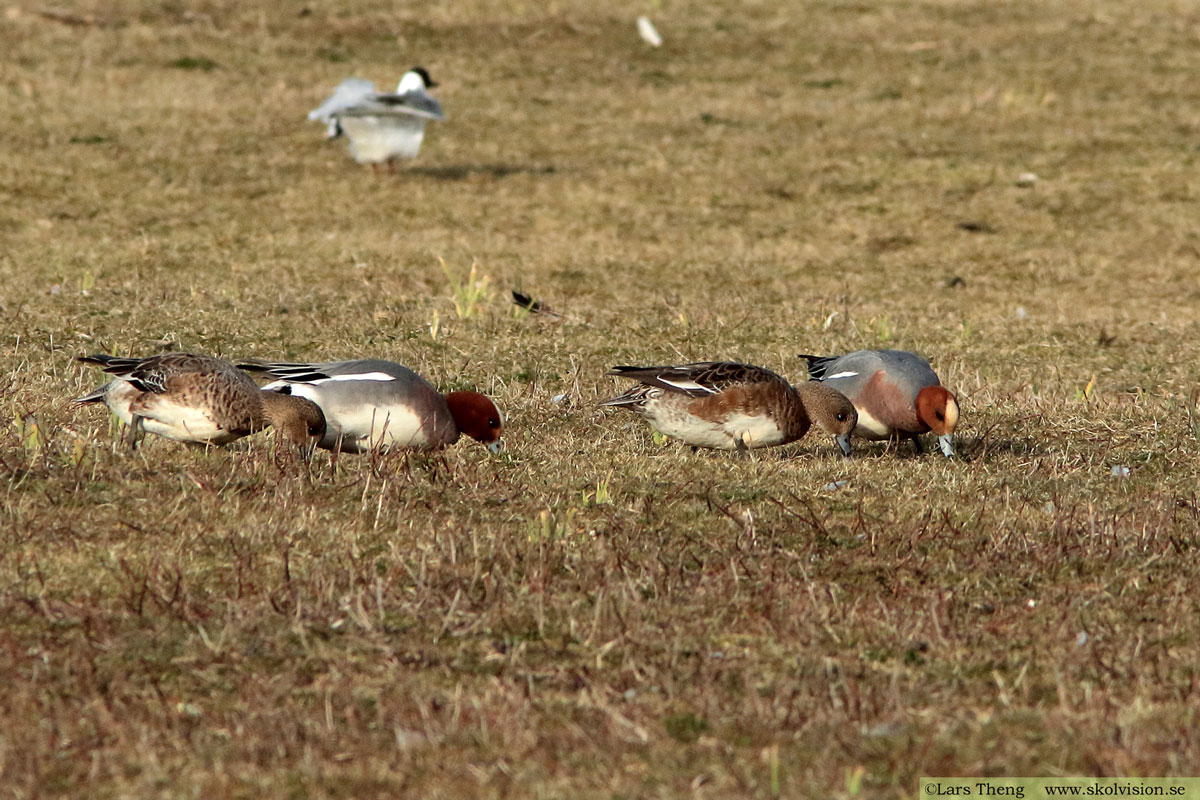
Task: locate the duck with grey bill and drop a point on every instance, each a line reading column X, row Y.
column 381, row 126
column 369, row 404
column 732, row 406
column 198, row 399
column 897, row 394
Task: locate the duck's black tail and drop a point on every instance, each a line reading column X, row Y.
column 818, row 366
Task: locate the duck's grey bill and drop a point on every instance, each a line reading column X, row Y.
column 843, row 442
column 496, row 446
column 947, row 443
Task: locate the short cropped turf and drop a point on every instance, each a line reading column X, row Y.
column 1008, row 188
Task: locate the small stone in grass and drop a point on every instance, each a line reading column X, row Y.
column 1120, row 471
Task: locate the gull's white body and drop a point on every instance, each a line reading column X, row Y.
column 377, row 139
column 380, row 127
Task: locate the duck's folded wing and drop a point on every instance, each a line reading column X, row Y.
column 701, row 379
column 292, row 372
column 150, row 374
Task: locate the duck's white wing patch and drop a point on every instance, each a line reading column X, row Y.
column 275, row 386
column 360, row 376
column 689, row 386
column 840, row 375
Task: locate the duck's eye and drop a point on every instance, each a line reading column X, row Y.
column 939, row 415
column 493, row 423
column 841, row 417
column 314, row 430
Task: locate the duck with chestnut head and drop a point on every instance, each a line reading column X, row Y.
column 370, row 404
column 897, row 394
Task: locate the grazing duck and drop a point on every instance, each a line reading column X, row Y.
column 371, row 403
column 897, row 394
column 732, row 406
column 198, row 399
column 381, row 127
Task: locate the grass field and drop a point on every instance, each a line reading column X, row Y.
column 594, row 612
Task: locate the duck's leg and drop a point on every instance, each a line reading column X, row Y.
column 742, row 445
column 137, row 431
column 920, row 448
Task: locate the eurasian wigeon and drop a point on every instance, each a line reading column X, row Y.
column 198, row 399
column 732, row 406
column 897, row 394
column 371, row 403
column 381, row 127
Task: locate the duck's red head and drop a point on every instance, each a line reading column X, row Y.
column 938, row 409
column 476, row 416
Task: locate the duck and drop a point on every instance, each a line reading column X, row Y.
column 897, row 395
column 371, row 403
column 727, row 405
column 381, row 127
column 198, row 399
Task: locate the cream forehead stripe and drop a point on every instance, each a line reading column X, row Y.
column 951, row 413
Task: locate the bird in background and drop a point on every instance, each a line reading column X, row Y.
column 731, row 406
column 648, row 32
column 381, row 127
column 198, row 399
column 897, row 394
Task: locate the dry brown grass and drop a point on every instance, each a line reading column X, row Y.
column 595, row 614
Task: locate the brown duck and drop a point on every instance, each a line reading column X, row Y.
column 198, row 399
column 732, row 406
